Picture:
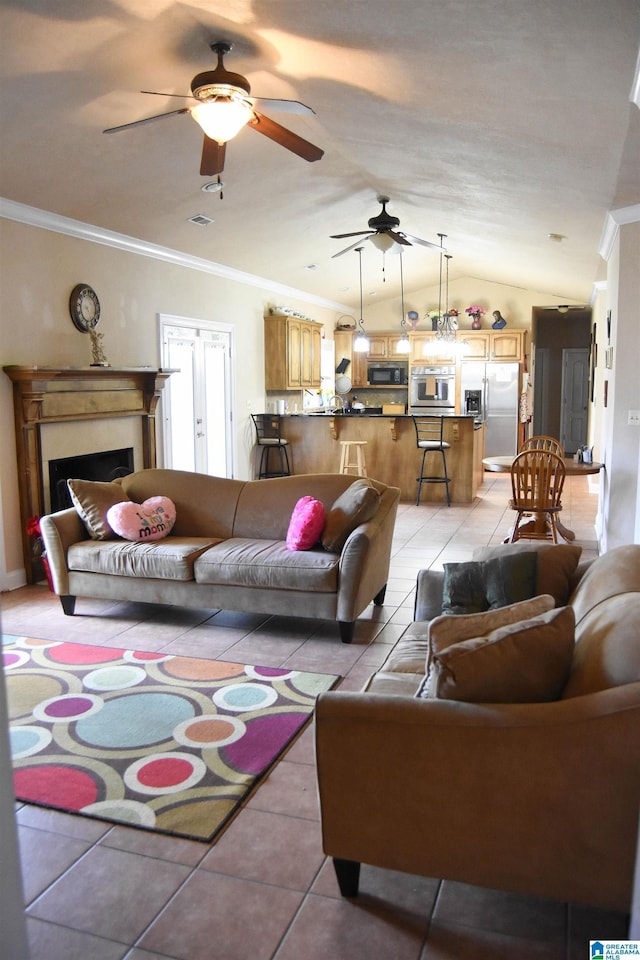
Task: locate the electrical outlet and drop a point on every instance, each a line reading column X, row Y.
column 634, row 418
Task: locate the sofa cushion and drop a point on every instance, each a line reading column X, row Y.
column 523, row 662
column 245, row 562
column 168, row 559
column 477, row 585
column 356, row 505
column 607, row 651
column 556, row 568
column 306, row 524
column 448, row 629
column 92, row 499
column 409, row 654
column 148, row 521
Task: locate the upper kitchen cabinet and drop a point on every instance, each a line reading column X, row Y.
column 357, row 367
column 492, row 344
column 292, row 349
column 427, row 349
column 384, row 347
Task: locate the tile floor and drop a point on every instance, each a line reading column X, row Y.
column 264, row 890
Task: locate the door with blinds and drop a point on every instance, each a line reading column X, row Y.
column 197, row 403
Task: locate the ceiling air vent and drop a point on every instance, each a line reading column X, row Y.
column 201, row 220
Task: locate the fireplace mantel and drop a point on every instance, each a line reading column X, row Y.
column 44, row 395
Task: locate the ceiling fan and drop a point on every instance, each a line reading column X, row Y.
column 223, row 107
column 383, row 233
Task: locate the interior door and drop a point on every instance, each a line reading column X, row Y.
column 575, row 395
column 197, row 406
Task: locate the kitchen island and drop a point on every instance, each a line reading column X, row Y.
column 392, row 455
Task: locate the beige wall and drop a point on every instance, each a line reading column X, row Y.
column 40, row 268
column 514, row 303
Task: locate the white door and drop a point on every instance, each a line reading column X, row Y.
column 197, row 403
column 575, row 394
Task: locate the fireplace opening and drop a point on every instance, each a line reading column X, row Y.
column 106, row 466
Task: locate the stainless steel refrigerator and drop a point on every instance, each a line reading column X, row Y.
column 492, row 392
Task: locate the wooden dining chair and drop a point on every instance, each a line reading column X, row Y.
column 542, row 442
column 537, row 479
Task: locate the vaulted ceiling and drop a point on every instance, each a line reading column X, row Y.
column 495, row 122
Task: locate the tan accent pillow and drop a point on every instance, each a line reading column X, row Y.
column 452, row 628
column 557, row 564
column 525, row 662
column 356, row 505
column 92, row 499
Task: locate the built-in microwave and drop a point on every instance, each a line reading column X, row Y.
column 387, row 374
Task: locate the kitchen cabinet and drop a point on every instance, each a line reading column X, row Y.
column 357, row 369
column 384, row 347
column 497, row 345
column 427, row 349
column 292, row 349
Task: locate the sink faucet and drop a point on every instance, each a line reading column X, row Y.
column 339, row 399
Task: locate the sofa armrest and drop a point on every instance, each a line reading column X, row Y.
column 428, row 595
column 540, row 799
column 59, row 531
column 365, row 558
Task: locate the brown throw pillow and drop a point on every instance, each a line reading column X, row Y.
column 356, row 505
column 524, row 662
column 92, row 499
column 557, row 564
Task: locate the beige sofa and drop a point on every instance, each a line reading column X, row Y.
column 536, row 798
column 227, row 548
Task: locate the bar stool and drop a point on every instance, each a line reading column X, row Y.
column 269, row 437
column 346, row 463
column 429, row 438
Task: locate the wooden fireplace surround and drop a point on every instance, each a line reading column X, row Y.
column 44, row 395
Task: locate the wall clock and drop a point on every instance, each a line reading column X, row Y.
column 84, row 307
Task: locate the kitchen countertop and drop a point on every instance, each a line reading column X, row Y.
column 365, row 413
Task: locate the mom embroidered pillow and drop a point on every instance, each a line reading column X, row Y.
column 148, row 521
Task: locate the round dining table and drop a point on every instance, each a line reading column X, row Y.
column 572, row 468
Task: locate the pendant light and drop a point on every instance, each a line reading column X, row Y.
column 403, row 345
column 361, row 344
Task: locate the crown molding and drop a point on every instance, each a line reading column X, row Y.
column 613, row 221
column 34, row 217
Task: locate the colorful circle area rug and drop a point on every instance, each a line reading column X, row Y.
column 162, row 742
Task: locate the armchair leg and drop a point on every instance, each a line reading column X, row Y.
column 347, row 628
column 68, row 604
column 348, row 874
column 378, row 600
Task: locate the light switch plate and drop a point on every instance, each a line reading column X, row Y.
column 634, row 418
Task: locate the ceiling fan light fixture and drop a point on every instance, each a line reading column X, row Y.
column 382, row 241
column 222, row 119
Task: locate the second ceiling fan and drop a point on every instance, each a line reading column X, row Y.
column 223, row 107
column 383, row 232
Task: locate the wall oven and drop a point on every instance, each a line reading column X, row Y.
column 433, row 390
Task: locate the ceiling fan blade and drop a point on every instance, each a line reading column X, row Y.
column 346, row 249
column 212, row 157
column 283, row 106
column 425, row 243
column 286, row 138
column 158, row 93
column 356, row 233
column 139, row 123
column 398, row 237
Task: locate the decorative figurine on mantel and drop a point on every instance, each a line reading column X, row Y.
column 98, row 358
column 498, row 320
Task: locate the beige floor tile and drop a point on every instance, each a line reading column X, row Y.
column 215, row 917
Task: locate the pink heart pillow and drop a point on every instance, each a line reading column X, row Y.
column 306, row 524
column 151, row 520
